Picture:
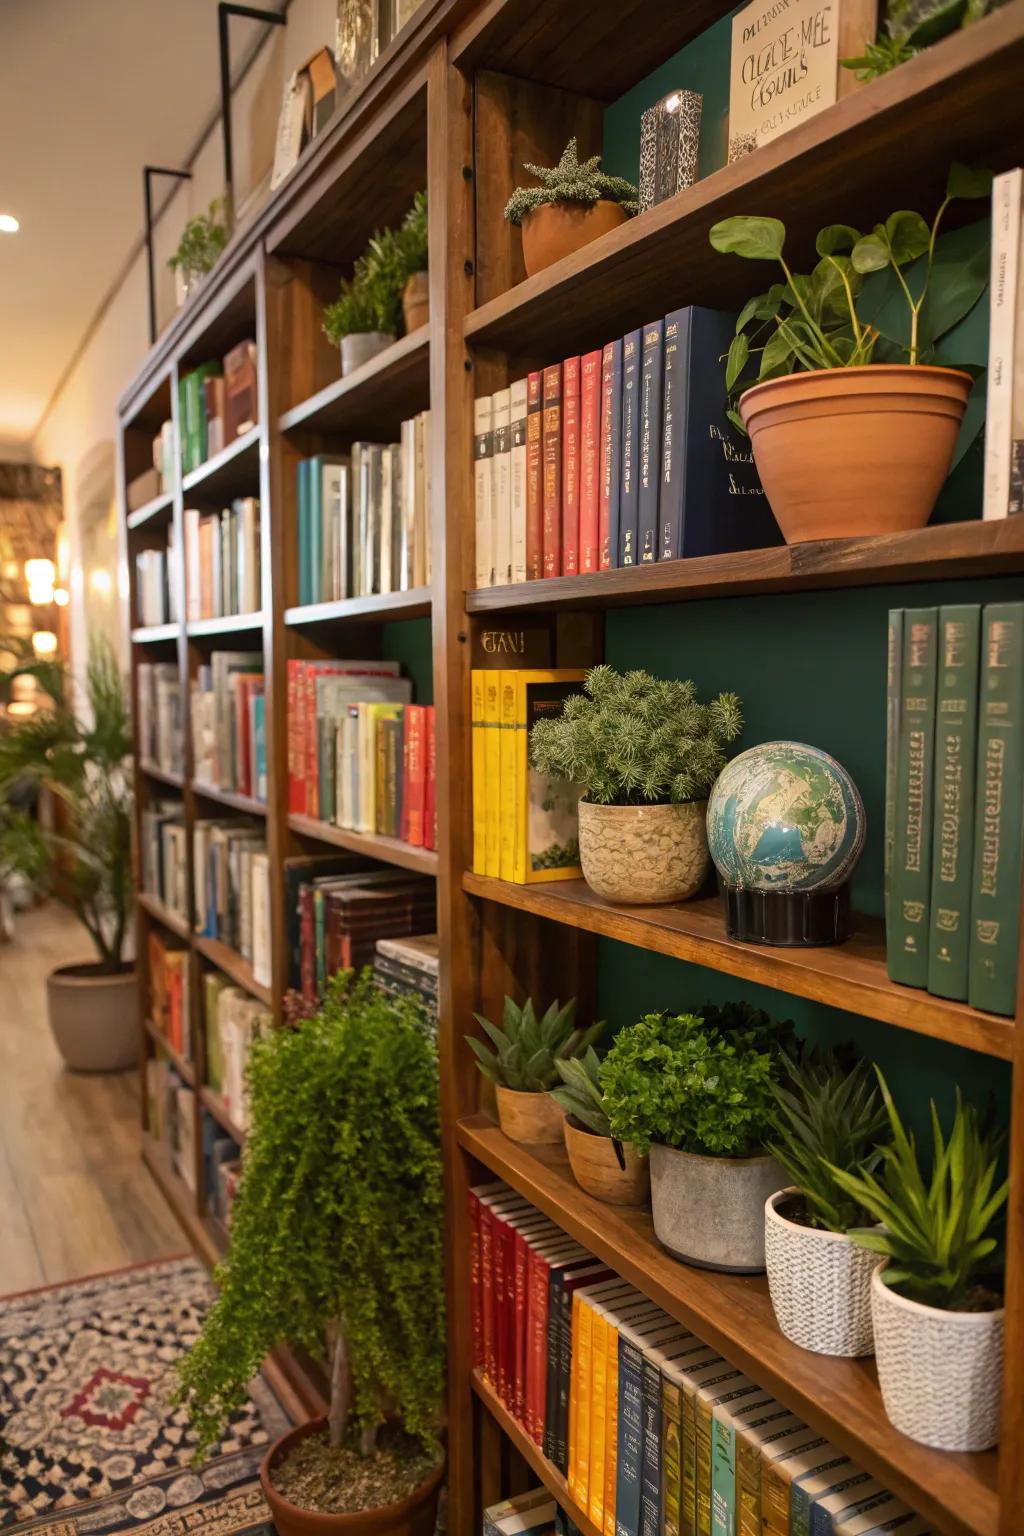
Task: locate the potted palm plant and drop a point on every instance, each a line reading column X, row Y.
column 828, row 1114
column 695, row 1089
column 850, row 392
column 336, row 1239
column 645, row 752
column 82, row 759
column 936, row 1311
column 524, row 1064
column 574, row 204
column 607, row 1168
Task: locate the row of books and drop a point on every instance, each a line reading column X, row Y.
column 344, row 911
column 364, row 520
column 231, row 874
column 232, row 1019
column 171, row 1116
column 654, row 1430
column 159, row 719
column 222, row 560
column 525, row 824
column 623, row 456
column 157, row 585
column 217, row 403
column 163, row 855
column 534, row 1513
column 228, row 711
column 1004, row 405
column 168, row 992
column 159, row 477
column 222, row 1169
column 409, row 966
column 954, row 842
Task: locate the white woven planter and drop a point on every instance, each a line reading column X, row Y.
column 941, row 1373
column 820, row 1284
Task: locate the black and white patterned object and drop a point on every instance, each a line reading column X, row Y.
column 669, row 146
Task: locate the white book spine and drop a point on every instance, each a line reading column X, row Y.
column 261, row 919
column 1006, row 221
column 483, row 445
column 419, row 564
column 518, row 494
column 1017, row 386
column 387, row 511
column 405, row 563
column 501, row 490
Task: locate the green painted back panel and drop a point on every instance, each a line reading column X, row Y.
column 408, row 641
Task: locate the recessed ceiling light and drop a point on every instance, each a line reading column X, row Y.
column 9, row 224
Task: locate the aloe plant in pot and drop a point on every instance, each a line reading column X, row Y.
column 607, row 1168
column 853, row 419
column 524, row 1064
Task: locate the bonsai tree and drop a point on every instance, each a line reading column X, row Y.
column 336, row 1231
column 633, row 739
column 529, row 1051
column 570, row 182
column 82, row 758
column 202, row 241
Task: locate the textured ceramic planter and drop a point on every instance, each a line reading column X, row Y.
column 941, row 1373
column 94, row 1017
column 416, row 301
column 852, row 451
column 709, row 1211
column 644, row 854
column 820, row 1283
column 358, row 349
column 529, row 1117
column 596, row 1167
column 415, row 1515
column 555, row 230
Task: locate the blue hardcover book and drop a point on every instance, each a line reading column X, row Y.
column 611, row 453
column 628, row 1470
column 710, row 499
column 258, row 707
column 649, row 455
column 302, row 503
column 629, row 484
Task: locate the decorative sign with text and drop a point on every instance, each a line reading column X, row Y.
column 785, row 63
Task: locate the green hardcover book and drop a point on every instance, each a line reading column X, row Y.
column 210, row 370
column 956, row 735
column 316, row 530
column 326, row 764
column 182, row 433
column 907, row 937
column 302, row 520
column 995, row 886
column 759, row 1408
column 894, row 682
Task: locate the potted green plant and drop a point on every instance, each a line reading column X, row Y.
column 605, row 1167
column 937, row 1315
column 853, row 420
column 573, row 205
column 412, row 244
column 336, row 1234
column 523, row 1065
column 85, row 858
column 828, row 1114
column 645, row 752
column 366, row 316
column 910, row 26
column 201, row 243
column 695, row 1090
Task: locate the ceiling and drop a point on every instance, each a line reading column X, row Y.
column 90, row 91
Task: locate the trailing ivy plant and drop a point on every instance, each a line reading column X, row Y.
column 634, row 739
column 570, row 182
column 529, row 1050
column 202, row 241
column 910, row 26
column 337, row 1226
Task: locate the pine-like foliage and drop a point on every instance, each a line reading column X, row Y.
column 570, row 182
column 634, row 739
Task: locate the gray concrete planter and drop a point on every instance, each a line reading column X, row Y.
column 709, row 1211
column 358, row 349
column 94, row 1017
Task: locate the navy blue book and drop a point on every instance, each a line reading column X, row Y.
column 611, row 454
column 650, row 1461
column 711, row 501
column 651, row 394
column 629, row 483
column 631, row 1439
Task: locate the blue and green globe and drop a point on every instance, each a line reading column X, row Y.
column 785, row 817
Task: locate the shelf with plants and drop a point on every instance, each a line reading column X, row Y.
column 234, row 965
column 390, row 850
column 376, row 607
column 394, row 384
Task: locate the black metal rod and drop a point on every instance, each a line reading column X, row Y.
column 224, row 12
column 148, row 172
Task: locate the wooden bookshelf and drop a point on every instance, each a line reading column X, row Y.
column 185, row 1069
column 389, row 388
column 155, row 634
column 377, row 607
column 162, row 914
column 226, row 624
column 215, row 1106
column 160, row 509
column 229, row 473
column 233, row 965
column 229, row 797
column 390, row 850
column 162, row 775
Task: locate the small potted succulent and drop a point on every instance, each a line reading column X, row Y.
column 828, row 1113
column 607, row 1168
column 850, row 392
column 937, row 1314
column 524, row 1065
column 573, row 205
column 412, row 241
column 645, row 753
column 201, row 243
column 695, row 1089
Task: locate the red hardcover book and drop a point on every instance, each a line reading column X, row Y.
column 307, row 943
column 561, row 1250
column 414, row 799
column 495, row 1326
column 529, row 1231
column 247, row 684
column 296, row 740
column 480, row 1192
column 551, row 442
column 590, row 462
column 534, row 479
column 430, row 794
column 570, row 467
column 608, row 427
column 488, row 1206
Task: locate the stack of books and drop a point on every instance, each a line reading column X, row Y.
column 232, row 1019
column 222, row 1169
column 1004, row 406
column 228, row 709
column 217, row 403
column 342, row 917
column 534, row 1513
column 653, row 1429
column 222, row 561
column 171, row 1116
column 954, row 832
column 623, row 456
column 157, row 584
column 232, row 889
column 162, row 855
column 364, row 520
column 409, row 965
column 159, row 715
column 168, row 992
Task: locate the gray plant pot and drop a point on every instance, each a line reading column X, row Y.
column 94, row 1018
column 709, row 1211
column 358, row 349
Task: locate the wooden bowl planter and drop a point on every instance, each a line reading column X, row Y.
column 819, row 1281
column 416, row 301
column 644, row 854
column 529, row 1117
column 595, row 1165
column 847, row 452
column 415, row 1515
column 709, row 1211
column 555, row 230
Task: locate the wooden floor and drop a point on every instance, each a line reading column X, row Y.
column 75, row 1198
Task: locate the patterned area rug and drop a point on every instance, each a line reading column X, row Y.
column 89, row 1442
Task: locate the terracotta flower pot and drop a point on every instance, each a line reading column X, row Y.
column 414, row 1515
column 358, row 349
column 555, row 230
column 94, row 1017
column 853, row 451
column 644, row 854
column 416, row 301
column 596, row 1167
column 530, row 1117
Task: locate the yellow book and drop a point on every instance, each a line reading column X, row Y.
column 547, row 834
column 750, row 1441
column 714, row 1368
column 479, row 793
column 492, row 774
column 678, row 1359
column 583, row 1303
column 507, row 752
column 705, row 1400
column 777, row 1477
column 598, row 1414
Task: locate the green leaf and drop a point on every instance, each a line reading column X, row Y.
column 777, row 356
column 871, row 253
column 836, row 237
column 758, row 239
column 908, row 236
column 750, row 311
column 739, row 351
column 962, row 181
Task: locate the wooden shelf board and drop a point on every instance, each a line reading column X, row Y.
column 870, row 151
column 851, row 976
column 154, row 634
column 185, row 1069
column 152, row 511
column 179, row 1197
column 233, row 471
column 229, row 797
column 214, row 1104
column 841, row 1398
column 163, row 914
column 226, row 624
column 162, row 775
column 946, row 550
column 217, row 1236
column 381, row 606
column 234, row 965
column 391, row 387
column 391, row 850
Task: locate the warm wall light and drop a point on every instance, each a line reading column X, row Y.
column 9, row 224
column 21, row 707
column 100, row 581
column 40, row 576
column 44, row 642
column 61, row 596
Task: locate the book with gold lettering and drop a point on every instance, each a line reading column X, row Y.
column 956, row 736
column 908, row 925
